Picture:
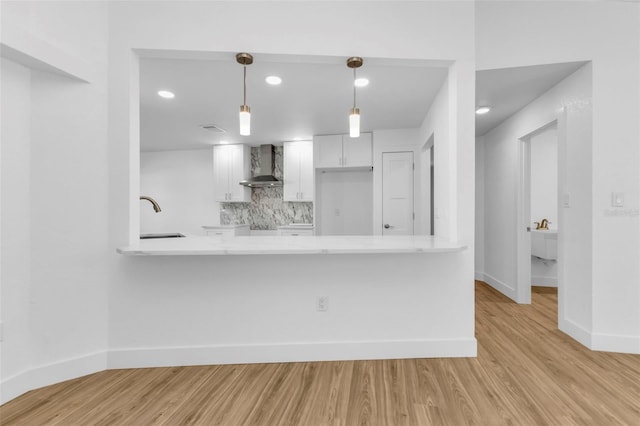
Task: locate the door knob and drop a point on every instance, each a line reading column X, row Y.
column 387, row 226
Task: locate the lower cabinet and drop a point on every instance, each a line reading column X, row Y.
column 226, row 230
column 295, row 231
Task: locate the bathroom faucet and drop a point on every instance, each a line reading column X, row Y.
column 156, row 206
column 544, row 224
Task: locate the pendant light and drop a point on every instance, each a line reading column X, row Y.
column 245, row 59
column 354, row 115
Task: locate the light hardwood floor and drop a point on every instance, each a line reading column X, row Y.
column 526, row 373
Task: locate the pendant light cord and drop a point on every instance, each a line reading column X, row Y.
column 244, row 96
column 354, row 88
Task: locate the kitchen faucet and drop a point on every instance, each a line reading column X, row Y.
column 156, row 206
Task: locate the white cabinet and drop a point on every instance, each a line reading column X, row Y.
column 226, row 230
column 328, row 151
column 357, row 152
column 298, row 171
column 231, row 164
column 296, row 231
column 340, row 151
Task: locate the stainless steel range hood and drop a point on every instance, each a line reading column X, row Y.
column 267, row 167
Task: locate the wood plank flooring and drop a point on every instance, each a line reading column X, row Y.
column 526, row 373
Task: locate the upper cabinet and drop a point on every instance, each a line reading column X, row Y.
column 231, row 164
column 298, row 171
column 339, row 151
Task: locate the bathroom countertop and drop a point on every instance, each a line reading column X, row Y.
column 251, row 245
column 545, row 231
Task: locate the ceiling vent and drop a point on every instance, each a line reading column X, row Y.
column 213, row 128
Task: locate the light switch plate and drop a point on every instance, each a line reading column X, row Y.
column 566, row 200
column 322, row 304
column 617, row 199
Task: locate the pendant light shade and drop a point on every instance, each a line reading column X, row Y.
column 245, row 120
column 244, row 59
column 354, row 115
column 354, row 123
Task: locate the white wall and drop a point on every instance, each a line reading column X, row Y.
column 15, row 227
column 610, row 307
column 544, row 177
column 436, row 124
column 480, row 209
column 182, row 184
column 54, row 194
column 344, row 202
column 569, row 103
column 423, row 201
column 183, row 302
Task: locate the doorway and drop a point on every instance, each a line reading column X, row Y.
column 397, row 193
column 538, row 213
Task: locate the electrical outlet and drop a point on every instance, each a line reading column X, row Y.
column 322, row 304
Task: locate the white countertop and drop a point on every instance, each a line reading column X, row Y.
column 251, row 245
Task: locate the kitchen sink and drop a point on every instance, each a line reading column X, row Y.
column 169, row 235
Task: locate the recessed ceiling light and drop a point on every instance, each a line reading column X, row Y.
column 483, row 110
column 273, row 80
column 166, row 94
column 361, row 82
column 223, row 142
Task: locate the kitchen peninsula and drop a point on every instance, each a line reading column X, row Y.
column 343, row 297
column 247, row 245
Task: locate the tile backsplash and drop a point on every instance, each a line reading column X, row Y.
column 267, row 209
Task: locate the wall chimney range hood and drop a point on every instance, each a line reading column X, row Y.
column 267, row 167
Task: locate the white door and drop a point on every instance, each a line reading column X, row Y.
column 397, row 193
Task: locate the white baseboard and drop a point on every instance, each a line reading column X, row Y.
column 479, row 276
column 295, row 352
column 599, row 341
column 575, row 331
column 68, row 369
column 49, row 374
column 615, row 343
column 500, row 286
column 540, row 281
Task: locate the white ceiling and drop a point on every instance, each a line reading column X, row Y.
column 314, row 98
column 508, row 90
